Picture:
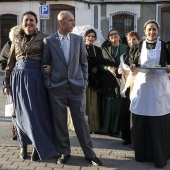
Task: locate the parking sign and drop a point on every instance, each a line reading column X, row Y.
column 44, row 12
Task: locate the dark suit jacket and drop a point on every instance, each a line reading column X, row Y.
column 109, row 85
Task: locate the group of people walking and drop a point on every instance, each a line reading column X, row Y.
column 113, row 85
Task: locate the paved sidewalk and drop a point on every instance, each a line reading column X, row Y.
column 110, row 150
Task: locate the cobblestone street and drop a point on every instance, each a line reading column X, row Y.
column 112, row 153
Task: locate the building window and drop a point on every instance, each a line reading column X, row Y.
column 165, row 24
column 123, row 23
column 7, row 21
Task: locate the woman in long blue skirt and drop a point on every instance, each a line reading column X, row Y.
column 24, row 81
column 33, row 116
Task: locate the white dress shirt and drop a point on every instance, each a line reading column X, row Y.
column 65, row 44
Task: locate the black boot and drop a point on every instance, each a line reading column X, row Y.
column 34, row 155
column 23, row 152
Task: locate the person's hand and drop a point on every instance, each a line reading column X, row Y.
column 167, row 68
column 47, row 68
column 133, row 69
column 7, row 91
column 112, row 70
column 120, row 70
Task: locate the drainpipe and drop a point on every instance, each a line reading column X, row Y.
column 99, row 17
column 31, row 4
column 156, row 11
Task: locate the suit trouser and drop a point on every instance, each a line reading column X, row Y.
column 77, row 105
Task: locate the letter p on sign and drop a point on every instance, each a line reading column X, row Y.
column 44, row 11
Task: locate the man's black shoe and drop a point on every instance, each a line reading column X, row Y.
column 62, row 159
column 94, row 161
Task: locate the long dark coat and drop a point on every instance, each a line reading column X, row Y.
column 109, row 85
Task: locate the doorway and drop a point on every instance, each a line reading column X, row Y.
column 165, row 24
column 7, row 21
column 52, row 23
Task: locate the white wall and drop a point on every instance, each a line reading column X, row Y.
column 18, row 8
column 110, row 9
column 82, row 11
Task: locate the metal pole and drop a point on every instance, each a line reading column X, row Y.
column 156, row 10
column 44, row 26
column 43, row 21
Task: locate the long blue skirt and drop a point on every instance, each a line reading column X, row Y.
column 33, row 113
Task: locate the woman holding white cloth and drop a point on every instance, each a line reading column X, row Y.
column 150, row 99
column 126, row 87
column 124, row 67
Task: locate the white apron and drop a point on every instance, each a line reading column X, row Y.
column 151, row 91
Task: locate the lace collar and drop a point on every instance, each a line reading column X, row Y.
column 148, row 41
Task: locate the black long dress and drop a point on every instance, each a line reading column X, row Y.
column 112, row 100
column 151, row 133
column 125, row 112
column 93, row 106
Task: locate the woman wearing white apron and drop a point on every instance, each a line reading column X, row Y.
column 150, row 99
